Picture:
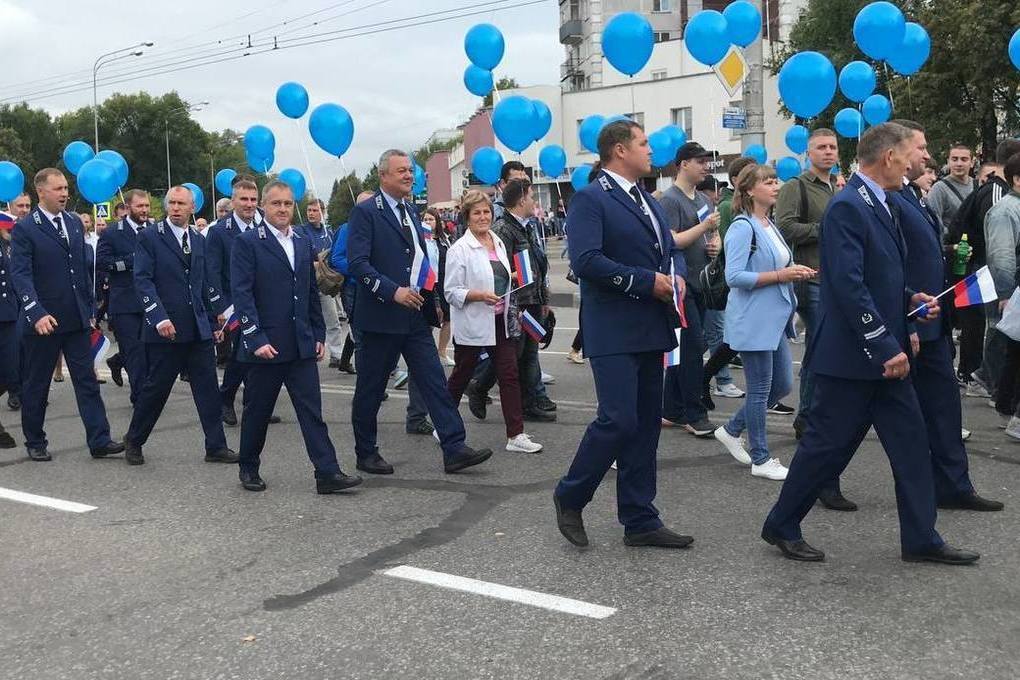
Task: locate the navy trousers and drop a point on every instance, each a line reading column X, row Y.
column 262, row 387
column 40, row 356
column 127, row 329
column 234, row 373
column 165, row 362
column 377, row 354
column 841, row 412
column 626, row 429
column 10, row 358
column 681, row 395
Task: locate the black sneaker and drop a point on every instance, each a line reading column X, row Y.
column 737, row 362
column 700, row 428
column 781, row 409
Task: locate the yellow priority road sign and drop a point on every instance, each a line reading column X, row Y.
column 732, row 70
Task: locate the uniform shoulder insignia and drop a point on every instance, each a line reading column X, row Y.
column 36, row 217
column 866, row 318
column 924, row 203
column 24, row 298
column 604, row 182
column 617, row 280
column 378, row 202
column 262, row 232
column 296, row 233
column 120, row 226
column 367, row 280
column 863, row 191
column 160, row 228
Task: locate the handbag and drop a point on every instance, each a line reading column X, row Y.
column 329, row 280
column 713, row 277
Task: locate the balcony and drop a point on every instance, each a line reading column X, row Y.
column 570, row 32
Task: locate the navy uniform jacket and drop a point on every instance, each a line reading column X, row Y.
column 9, row 307
column 864, row 295
column 220, row 239
column 926, row 266
column 379, row 258
column 276, row 305
column 52, row 276
column 115, row 255
column 170, row 288
column 615, row 251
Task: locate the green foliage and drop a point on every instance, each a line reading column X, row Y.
column 423, row 153
column 504, row 83
column 341, row 198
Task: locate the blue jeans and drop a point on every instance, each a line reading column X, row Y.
column 714, row 324
column 769, row 379
column 808, row 311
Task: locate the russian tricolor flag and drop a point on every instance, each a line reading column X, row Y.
column 522, row 263
column 426, row 276
column 976, row 289
column 672, row 357
column 532, row 327
column 100, row 345
column 232, row 324
column 6, row 221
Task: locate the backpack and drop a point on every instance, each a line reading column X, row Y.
column 713, row 276
column 329, row 280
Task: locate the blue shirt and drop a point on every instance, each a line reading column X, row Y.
column 338, row 254
column 875, row 189
column 392, row 202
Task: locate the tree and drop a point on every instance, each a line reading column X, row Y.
column 13, row 149
column 504, row 83
column 966, row 92
column 36, row 132
column 341, row 198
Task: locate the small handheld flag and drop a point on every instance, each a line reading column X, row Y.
column 423, row 276
column 100, row 345
column 672, row 357
column 232, row 323
column 976, row 289
column 522, row 263
column 6, row 221
column 532, row 327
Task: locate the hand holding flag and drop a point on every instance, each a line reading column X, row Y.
column 976, row 289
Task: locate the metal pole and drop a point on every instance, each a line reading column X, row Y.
column 754, row 104
column 166, row 123
column 95, row 102
column 212, row 180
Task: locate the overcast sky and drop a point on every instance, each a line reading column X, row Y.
column 399, row 86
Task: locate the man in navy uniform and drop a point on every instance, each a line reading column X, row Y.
column 115, row 255
column 624, row 255
column 859, row 355
column 180, row 310
column 244, row 217
column 395, row 318
column 53, row 280
column 10, row 347
column 282, row 337
column 19, row 207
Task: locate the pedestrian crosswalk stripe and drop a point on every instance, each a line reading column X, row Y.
column 44, row 501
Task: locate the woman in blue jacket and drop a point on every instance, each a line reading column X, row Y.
column 759, row 312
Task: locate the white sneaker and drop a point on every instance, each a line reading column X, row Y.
column 964, row 434
column 735, row 446
column 770, row 469
column 435, row 435
column 522, row 444
column 1013, row 428
column 575, row 357
column 614, row 465
column 548, row 379
column 729, row 390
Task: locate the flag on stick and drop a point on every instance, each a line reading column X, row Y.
column 522, row 263
column 532, row 327
column 976, row 289
column 100, row 345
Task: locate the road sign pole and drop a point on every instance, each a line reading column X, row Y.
column 754, row 103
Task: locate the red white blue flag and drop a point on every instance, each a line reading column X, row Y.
column 532, row 327
column 100, row 345
column 6, row 221
column 672, row 357
column 522, row 263
column 976, row 289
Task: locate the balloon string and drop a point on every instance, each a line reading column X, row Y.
column 347, row 176
column 910, row 97
column 888, row 86
column 308, row 165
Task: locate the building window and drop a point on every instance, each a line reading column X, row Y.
column 661, row 36
column 683, row 119
column 638, row 117
column 662, row 5
column 659, row 74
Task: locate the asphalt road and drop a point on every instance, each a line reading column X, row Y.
column 179, row 573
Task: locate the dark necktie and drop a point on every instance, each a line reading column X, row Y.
column 186, row 247
column 58, row 222
column 405, row 222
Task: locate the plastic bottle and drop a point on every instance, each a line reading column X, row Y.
column 962, row 255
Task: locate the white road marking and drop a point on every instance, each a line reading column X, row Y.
column 500, row 592
column 45, row 501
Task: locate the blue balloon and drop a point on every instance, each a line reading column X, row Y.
column 758, row 153
column 419, row 180
column 484, row 46
column 1014, row 49
column 627, row 42
column 807, row 82
column 857, row 81
column 797, row 138
column 478, row 81
column 513, row 121
column 787, row 168
column 295, row 180
column 332, row 128
column 553, row 160
column 223, row 179
column 913, row 52
column 120, row 165
column 706, row 37
column 97, row 181
column 292, row 99
column 77, row 154
column 848, row 123
column 678, row 136
column 876, row 109
column 259, row 141
column 486, row 164
column 197, row 195
column 262, row 165
column 589, row 130
column 743, row 23
column 12, row 181
column 579, row 177
column 542, row 119
column 878, row 29
column 661, row 143
column 835, row 170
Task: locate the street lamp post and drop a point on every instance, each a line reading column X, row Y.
column 109, row 58
column 166, row 128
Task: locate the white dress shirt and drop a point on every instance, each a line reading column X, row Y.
column 285, row 240
column 245, row 226
column 626, row 185
column 52, row 217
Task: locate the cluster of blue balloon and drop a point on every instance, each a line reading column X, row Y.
column 484, row 45
column 519, row 121
column 99, row 175
column 664, row 143
column 12, row 181
column 883, row 33
column 709, row 34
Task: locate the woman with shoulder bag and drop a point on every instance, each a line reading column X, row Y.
column 759, row 314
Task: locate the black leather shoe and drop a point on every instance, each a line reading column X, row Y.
column 465, row 458
column 7, row 441
column 221, row 456
column 229, row 415
column 793, row 550
column 275, row 419
column 545, row 404
column 14, row 403
column 534, row 415
column 334, row 363
column 39, row 454
column 133, row 454
column 659, row 538
column 476, row 401
column 421, row 427
column 834, row 500
column 336, row 483
column 346, row 368
column 109, row 450
column 374, row 465
column 570, row 524
column 944, row 554
column 971, row 501
column 116, row 370
column 251, row 481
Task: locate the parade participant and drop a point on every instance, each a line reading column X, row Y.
column 223, row 208
column 180, row 308
column 432, row 220
column 19, row 207
column 622, row 251
column 395, row 315
column 948, row 193
column 9, row 311
column 338, row 258
column 115, row 256
column 281, row 339
column 201, row 224
column 322, row 240
column 862, row 369
column 52, row 279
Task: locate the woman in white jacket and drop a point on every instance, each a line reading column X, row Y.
column 478, row 286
